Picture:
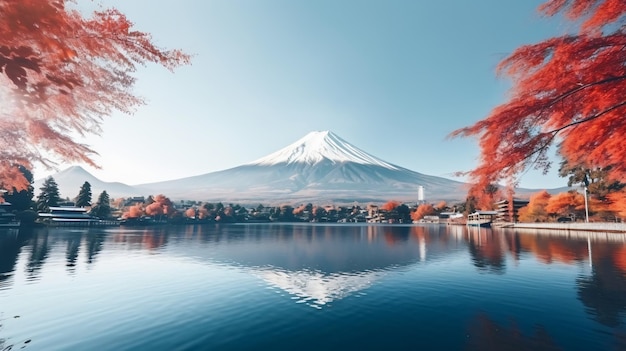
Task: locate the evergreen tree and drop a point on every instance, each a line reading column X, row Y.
column 102, row 208
column 84, row 195
column 23, row 199
column 49, row 196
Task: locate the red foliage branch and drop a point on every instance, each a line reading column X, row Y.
column 61, row 74
column 569, row 89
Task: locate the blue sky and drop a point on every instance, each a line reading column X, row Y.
column 392, row 77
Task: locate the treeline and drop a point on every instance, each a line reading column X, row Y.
column 162, row 209
column 600, row 206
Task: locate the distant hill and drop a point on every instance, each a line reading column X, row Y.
column 71, row 179
column 320, row 167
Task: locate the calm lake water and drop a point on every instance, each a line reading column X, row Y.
column 311, row 287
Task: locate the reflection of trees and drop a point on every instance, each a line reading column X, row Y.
column 73, row 247
column 486, row 335
column 151, row 239
column 604, row 292
column 396, row 235
column 10, row 246
column 549, row 249
column 94, row 245
column 514, row 244
column 487, row 251
column 39, row 253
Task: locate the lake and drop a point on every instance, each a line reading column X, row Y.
column 311, row 287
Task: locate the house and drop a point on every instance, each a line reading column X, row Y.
column 504, row 214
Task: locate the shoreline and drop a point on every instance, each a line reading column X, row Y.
column 603, row 227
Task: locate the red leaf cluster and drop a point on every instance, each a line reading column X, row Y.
column 536, row 208
column 569, row 89
column 190, row 213
column 134, row 211
column 390, row 205
column 421, row 211
column 162, row 205
column 60, row 74
column 566, row 203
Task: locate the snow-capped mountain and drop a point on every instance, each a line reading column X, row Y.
column 318, row 167
column 317, row 147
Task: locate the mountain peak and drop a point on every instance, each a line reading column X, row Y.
column 74, row 169
column 318, row 146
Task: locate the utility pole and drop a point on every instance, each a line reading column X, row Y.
column 585, row 185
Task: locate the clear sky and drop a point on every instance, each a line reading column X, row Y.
column 391, row 77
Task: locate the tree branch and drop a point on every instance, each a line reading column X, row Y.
column 583, row 87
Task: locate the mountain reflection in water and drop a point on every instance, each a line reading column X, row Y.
column 253, row 286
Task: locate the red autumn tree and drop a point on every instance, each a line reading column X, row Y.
column 154, row 209
column 536, row 208
column 190, row 212
column 566, row 203
column 134, row 211
column 422, row 210
column 390, row 205
column 162, row 205
column 570, row 90
column 618, row 204
column 60, row 74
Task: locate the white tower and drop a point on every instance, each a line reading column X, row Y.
column 420, row 194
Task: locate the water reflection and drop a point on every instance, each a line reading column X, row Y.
column 10, row 246
column 487, row 287
column 151, row 239
column 317, row 247
column 487, row 249
column 39, row 251
column 95, row 241
column 317, row 289
column 604, row 292
column 73, row 247
column 484, row 334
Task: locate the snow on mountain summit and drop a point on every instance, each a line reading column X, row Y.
column 318, row 146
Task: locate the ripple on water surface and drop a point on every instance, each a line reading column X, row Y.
column 318, row 287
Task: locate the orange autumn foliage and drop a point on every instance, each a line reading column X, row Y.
column 154, row 209
column 190, row 213
column 569, row 90
column 61, row 73
column 536, row 208
column 422, row 210
column 134, row 211
column 566, row 203
column 618, row 203
column 390, row 205
column 162, row 205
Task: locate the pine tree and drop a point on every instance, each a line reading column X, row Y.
column 84, row 196
column 49, row 196
column 102, row 208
